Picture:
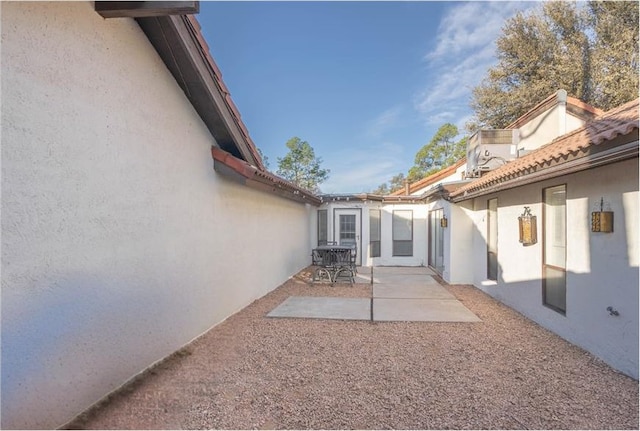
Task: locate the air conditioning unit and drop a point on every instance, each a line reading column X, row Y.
column 490, row 149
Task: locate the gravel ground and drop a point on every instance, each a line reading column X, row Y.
column 254, row 372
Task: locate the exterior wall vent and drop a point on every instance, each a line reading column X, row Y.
column 489, row 149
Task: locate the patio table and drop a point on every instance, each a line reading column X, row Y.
column 334, row 261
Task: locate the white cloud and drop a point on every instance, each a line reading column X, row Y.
column 465, row 50
column 383, row 122
column 358, row 169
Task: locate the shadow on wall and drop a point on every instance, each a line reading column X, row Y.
column 601, row 303
column 70, row 340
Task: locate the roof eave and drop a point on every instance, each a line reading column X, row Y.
column 615, row 154
column 176, row 39
column 241, row 172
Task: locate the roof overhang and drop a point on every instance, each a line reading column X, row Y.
column 179, row 43
column 243, row 173
column 141, row 9
column 590, row 159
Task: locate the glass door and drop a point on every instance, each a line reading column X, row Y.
column 436, row 241
column 492, row 239
column 347, row 229
column 554, row 281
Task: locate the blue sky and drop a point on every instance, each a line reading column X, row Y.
column 367, row 84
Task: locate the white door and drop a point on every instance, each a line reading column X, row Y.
column 347, row 231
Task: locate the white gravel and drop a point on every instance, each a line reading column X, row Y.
column 254, row 372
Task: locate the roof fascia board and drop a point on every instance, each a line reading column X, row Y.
column 174, row 39
column 145, row 9
column 593, row 160
column 241, row 172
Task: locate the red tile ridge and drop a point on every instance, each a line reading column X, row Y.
column 583, row 105
column 548, row 103
column 431, row 179
column 618, row 121
column 250, row 172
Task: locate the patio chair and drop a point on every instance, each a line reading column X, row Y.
column 322, row 259
column 343, row 267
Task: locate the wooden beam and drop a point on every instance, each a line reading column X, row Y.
column 145, row 9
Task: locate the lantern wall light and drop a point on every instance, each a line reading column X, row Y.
column 444, row 221
column 527, row 228
column 602, row 221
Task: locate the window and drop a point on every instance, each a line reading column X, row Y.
column 492, row 239
column 554, row 280
column 322, row 227
column 403, row 233
column 347, row 229
column 374, row 233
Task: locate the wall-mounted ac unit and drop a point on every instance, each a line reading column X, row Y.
column 490, row 149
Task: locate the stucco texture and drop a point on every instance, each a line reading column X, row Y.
column 120, row 243
column 601, row 268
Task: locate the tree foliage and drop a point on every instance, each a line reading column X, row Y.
column 301, row 166
column 441, row 152
column 265, row 159
column 590, row 51
column 396, row 183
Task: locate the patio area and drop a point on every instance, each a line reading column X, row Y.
column 258, row 372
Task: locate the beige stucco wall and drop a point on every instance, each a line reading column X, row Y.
column 119, row 241
column 602, row 268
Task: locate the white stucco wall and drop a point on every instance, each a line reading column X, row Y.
column 602, row 268
column 459, row 244
column 548, row 125
column 457, row 175
column 386, row 242
column 119, row 241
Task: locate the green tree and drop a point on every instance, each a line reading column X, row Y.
column 615, row 53
column 383, row 189
column 301, row 166
column 396, row 183
column 592, row 52
column 265, row 159
column 442, row 151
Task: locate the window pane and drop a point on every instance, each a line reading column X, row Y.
column 374, row 249
column 374, row 225
column 403, row 248
column 403, row 225
column 374, row 233
column 347, row 229
column 555, row 226
column 322, row 227
column 555, row 292
column 492, row 239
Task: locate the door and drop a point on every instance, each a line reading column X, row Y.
column 436, row 241
column 492, row 239
column 554, row 277
column 346, row 224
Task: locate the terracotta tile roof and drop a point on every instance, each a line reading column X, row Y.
column 217, row 75
column 575, row 106
column 431, row 179
column 619, row 121
column 267, row 181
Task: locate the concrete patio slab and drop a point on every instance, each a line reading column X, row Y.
column 401, row 270
column 421, row 310
column 407, row 280
column 324, row 308
column 408, row 291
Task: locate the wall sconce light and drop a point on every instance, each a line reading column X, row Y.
column 527, row 228
column 602, row 221
column 443, row 221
